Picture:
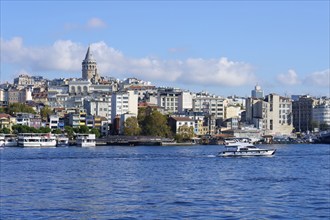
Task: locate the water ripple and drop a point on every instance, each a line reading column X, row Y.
column 164, row 183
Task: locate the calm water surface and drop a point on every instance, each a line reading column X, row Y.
column 164, row 183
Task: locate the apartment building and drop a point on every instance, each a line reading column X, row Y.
column 210, row 104
column 185, row 101
column 19, row 95
column 279, row 115
column 273, row 115
column 124, row 102
column 99, row 106
column 54, row 121
column 6, row 121
column 321, row 114
column 181, row 124
column 167, row 98
column 302, row 110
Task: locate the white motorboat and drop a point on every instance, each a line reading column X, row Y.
column 62, row 141
column 36, row 140
column 8, row 140
column 239, row 149
column 85, row 140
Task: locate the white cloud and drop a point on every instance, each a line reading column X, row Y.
column 61, row 56
column 66, row 56
column 217, row 72
column 96, row 23
column 93, row 23
column 289, row 78
column 320, row 78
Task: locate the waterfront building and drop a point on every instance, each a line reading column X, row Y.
column 279, row 115
column 321, row 114
column 302, row 110
column 90, row 121
column 200, row 119
column 6, row 121
column 181, row 125
column 54, row 121
column 23, row 118
column 102, row 124
column 74, row 120
column 77, row 118
column 89, row 68
column 273, row 115
column 36, row 122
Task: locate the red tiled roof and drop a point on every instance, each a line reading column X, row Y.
column 4, row 115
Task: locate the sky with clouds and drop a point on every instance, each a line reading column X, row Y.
column 223, row 47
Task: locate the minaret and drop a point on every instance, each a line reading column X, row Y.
column 89, row 68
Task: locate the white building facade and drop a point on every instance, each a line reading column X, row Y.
column 124, row 102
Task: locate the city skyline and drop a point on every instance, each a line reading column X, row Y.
column 225, row 48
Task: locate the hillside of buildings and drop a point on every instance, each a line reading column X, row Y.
column 124, row 107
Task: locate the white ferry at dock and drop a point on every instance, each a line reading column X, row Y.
column 36, row 140
column 62, row 141
column 85, row 140
column 8, row 140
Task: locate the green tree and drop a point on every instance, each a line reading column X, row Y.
column 20, row 107
column 76, row 130
column 5, row 131
column 3, row 110
column 21, row 129
column 57, row 131
column 141, row 115
column 83, row 129
column 45, row 130
column 45, row 112
column 96, row 132
column 69, row 131
column 155, row 124
column 186, row 132
column 131, row 127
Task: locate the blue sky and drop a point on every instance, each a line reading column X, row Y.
column 223, row 47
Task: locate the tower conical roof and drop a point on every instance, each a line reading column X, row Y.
column 89, row 55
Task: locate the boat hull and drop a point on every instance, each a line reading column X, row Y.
column 247, row 153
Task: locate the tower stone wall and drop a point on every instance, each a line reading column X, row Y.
column 89, row 68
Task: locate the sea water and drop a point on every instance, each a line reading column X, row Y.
column 148, row 182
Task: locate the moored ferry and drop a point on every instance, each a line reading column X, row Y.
column 85, row 140
column 8, row 140
column 36, row 140
column 62, row 141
